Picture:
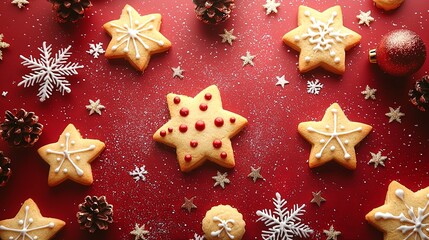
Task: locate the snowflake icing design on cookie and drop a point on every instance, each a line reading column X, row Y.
column 224, row 226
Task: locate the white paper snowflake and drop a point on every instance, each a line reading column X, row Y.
column 314, row 87
column 139, row 173
column 96, row 49
column 198, row 237
column 2, row 45
column 283, row 223
column 49, row 71
column 20, row 3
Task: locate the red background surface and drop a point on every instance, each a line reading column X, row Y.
column 135, row 108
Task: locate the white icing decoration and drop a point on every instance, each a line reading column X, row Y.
column 297, row 38
column 134, row 31
column 323, row 35
column 332, row 148
column 332, row 135
column 346, row 141
column 337, row 60
column 223, row 226
column 66, row 154
column 307, row 59
column 414, row 224
column 24, row 233
column 322, row 140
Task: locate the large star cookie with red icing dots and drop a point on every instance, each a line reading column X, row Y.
column 70, row 157
column 404, row 215
column 200, row 129
column 333, row 138
column 135, row 37
column 30, row 224
column 321, row 39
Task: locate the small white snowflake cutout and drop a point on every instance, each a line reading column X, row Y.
column 198, row 237
column 369, row 93
column 139, row 232
column 365, row 18
column 49, row 72
column 271, row 6
column 314, row 87
column 227, row 36
column 177, row 72
column 20, row 3
column 96, row 49
column 281, row 81
column 4, row 93
column 95, row 107
column 283, row 223
column 395, row 114
column 139, row 173
column 248, row 59
column 2, row 45
column 377, row 159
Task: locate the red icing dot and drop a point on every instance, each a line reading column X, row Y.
column 232, row 119
column 223, row 155
column 163, row 133
column 208, row 96
column 200, row 125
column 188, row 157
column 184, row 112
column 217, row 143
column 176, row 100
column 170, row 129
column 183, row 128
column 193, row 143
column 203, row 107
column 218, row 122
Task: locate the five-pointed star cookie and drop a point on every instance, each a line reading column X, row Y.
column 70, row 157
column 321, row 39
column 333, row 138
column 200, row 129
column 404, row 214
column 135, row 37
column 30, row 224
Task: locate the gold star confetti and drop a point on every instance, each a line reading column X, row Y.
column 255, row 174
column 317, row 198
column 189, row 204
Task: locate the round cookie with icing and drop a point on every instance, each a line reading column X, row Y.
column 70, row 157
column 30, row 224
column 321, row 39
column 388, row 5
column 404, row 215
column 223, row 222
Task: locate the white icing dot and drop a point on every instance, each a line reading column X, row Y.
column 58, row 159
column 318, row 155
column 11, row 238
column 342, row 127
column 20, row 222
column 347, row 156
column 125, row 50
column 334, row 110
column 332, row 53
column 334, row 14
column 65, row 170
column 332, row 148
column 337, row 60
column 136, row 22
column 72, row 142
column 77, row 157
column 346, row 141
column 322, row 141
column 296, row 38
column 400, row 194
column 307, row 59
column 327, row 126
column 30, row 220
column 114, row 48
column 427, row 196
column 51, row 225
column 161, row 43
column 62, row 145
column 307, row 13
column 35, row 237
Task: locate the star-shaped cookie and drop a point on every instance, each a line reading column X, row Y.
column 135, row 37
column 333, row 138
column 321, row 39
column 404, row 215
column 70, row 157
column 30, row 224
column 200, row 129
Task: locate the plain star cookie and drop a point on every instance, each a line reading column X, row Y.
column 135, row 37
column 321, row 39
column 29, row 223
column 223, row 222
column 70, row 157
column 200, row 129
column 333, row 138
column 404, row 215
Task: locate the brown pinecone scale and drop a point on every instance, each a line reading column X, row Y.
column 21, row 128
column 213, row 11
column 95, row 214
column 419, row 96
column 70, row 10
column 5, row 170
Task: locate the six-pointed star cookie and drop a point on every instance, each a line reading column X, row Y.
column 200, row 129
column 333, row 138
column 135, row 37
column 404, row 215
column 70, row 157
column 321, row 39
column 30, row 224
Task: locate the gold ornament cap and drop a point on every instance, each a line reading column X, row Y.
column 372, row 56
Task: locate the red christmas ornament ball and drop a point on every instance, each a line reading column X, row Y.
column 399, row 53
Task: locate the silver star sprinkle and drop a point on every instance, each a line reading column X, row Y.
column 95, row 107
column 189, row 204
column 395, row 114
column 227, row 36
column 177, row 72
column 271, row 6
column 369, row 93
column 221, row 179
column 139, row 232
column 377, row 159
column 248, row 59
column 281, row 81
column 331, row 234
column 365, row 18
column 255, row 174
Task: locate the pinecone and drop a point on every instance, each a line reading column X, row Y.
column 419, row 96
column 213, row 11
column 5, row 170
column 70, row 10
column 21, row 128
column 95, row 213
